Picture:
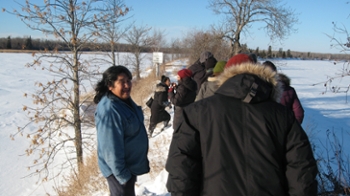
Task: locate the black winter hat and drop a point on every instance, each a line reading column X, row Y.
column 164, row 78
column 210, row 63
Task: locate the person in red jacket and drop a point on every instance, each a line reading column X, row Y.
column 289, row 96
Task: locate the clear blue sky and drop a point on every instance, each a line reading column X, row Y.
column 176, row 17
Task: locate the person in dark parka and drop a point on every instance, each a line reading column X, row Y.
column 202, row 68
column 289, row 97
column 183, row 94
column 241, row 141
column 160, row 102
column 210, row 86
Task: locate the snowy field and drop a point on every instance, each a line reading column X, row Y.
column 323, row 111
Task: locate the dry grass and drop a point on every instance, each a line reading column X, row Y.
column 88, row 182
column 143, row 88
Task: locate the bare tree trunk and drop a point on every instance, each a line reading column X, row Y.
column 236, row 43
column 236, row 48
column 76, row 113
column 113, row 51
column 138, row 66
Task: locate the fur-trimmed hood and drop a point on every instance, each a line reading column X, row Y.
column 252, row 80
column 161, row 87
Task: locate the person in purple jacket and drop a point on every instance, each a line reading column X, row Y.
column 289, row 97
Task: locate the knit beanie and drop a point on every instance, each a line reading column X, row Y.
column 164, row 78
column 204, row 56
column 238, row 59
column 219, row 67
column 270, row 65
column 183, row 73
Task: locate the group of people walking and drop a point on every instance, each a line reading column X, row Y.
column 237, row 130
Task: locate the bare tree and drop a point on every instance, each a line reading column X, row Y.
column 59, row 102
column 197, row 41
column 157, row 40
column 138, row 38
column 111, row 30
column 340, row 40
column 240, row 15
column 342, row 43
column 176, row 49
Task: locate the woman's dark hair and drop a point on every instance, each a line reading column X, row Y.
column 270, row 64
column 108, row 79
column 164, row 79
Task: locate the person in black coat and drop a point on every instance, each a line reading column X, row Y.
column 160, row 102
column 182, row 94
column 203, row 68
column 241, row 141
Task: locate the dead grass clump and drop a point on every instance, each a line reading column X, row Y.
column 88, row 181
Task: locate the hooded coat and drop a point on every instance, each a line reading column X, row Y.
column 240, row 141
column 185, row 94
column 160, row 101
column 199, row 73
column 290, row 98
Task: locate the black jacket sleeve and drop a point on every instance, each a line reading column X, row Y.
column 184, row 163
column 301, row 167
column 179, row 98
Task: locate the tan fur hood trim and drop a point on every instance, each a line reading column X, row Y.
column 262, row 72
column 160, row 88
column 212, row 79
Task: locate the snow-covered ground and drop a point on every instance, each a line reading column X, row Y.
column 323, row 111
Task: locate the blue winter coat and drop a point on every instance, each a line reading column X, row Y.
column 122, row 142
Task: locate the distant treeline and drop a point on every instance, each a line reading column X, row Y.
column 27, row 44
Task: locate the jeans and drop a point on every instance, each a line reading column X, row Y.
column 116, row 189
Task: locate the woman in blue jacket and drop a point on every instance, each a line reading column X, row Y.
column 122, row 142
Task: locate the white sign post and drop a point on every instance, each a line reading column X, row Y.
column 157, row 60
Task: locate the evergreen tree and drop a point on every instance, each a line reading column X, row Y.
column 284, row 54
column 8, row 44
column 269, row 52
column 309, row 55
column 28, row 43
column 280, row 52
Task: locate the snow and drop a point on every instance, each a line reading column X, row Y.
column 323, row 111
